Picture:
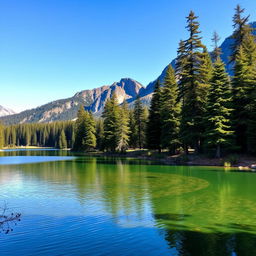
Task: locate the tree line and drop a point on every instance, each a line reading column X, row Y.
column 198, row 105
column 56, row 134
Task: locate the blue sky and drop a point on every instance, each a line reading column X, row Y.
column 50, row 49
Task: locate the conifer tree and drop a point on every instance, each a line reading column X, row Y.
column 1, row 136
column 217, row 51
column 194, row 84
column 241, row 29
column 244, row 84
column 89, row 141
column 80, row 129
column 111, row 124
column 123, row 128
column 154, row 120
column 12, row 139
column 218, row 116
column 251, row 134
column 133, row 139
column 85, row 138
column 62, row 143
column 100, row 134
column 181, row 70
column 170, row 112
column 140, row 119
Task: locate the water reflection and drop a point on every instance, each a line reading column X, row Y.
column 196, row 210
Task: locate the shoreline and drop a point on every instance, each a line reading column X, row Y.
column 243, row 162
column 240, row 161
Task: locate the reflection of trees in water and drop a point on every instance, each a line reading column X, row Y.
column 189, row 243
column 115, row 183
column 125, row 189
column 209, row 223
column 8, row 219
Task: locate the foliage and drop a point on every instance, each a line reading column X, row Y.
column 194, row 72
column 170, row 112
column 1, row 136
column 36, row 134
column 62, row 140
column 218, row 115
column 140, row 121
column 154, row 120
column 85, row 139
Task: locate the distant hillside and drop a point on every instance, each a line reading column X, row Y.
column 5, row 111
column 66, row 109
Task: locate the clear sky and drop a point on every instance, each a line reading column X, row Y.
column 50, row 49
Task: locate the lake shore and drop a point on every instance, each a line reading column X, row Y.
column 244, row 162
column 27, row 147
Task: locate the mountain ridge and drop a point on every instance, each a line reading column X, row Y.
column 6, row 111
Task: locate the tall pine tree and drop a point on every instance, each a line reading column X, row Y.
column 1, row 135
column 111, row 124
column 140, row 119
column 243, row 87
column 123, row 128
column 170, row 112
column 154, row 120
column 218, row 116
column 241, row 29
column 85, row 139
column 62, row 143
column 193, row 75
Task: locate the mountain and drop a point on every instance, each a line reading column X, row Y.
column 5, row 111
column 94, row 100
column 66, row 109
column 127, row 89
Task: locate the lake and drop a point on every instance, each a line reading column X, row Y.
column 75, row 205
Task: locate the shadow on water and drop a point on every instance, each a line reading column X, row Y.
column 192, row 243
column 239, row 242
column 171, row 216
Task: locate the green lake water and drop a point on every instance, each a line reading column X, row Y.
column 75, row 205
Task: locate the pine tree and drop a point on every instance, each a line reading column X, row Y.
column 251, row 134
column 89, row 141
column 241, row 29
column 12, row 140
column 79, row 129
column 243, row 86
column 111, row 124
column 193, row 74
column 123, row 128
column 218, row 116
column 170, row 112
column 154, row 120
column 133, row 139
column 140, row 120
column 100, row 134
column 85, row 139
column 217, row 51
column 62, row 143
column 181, row 70
column 1, row 136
